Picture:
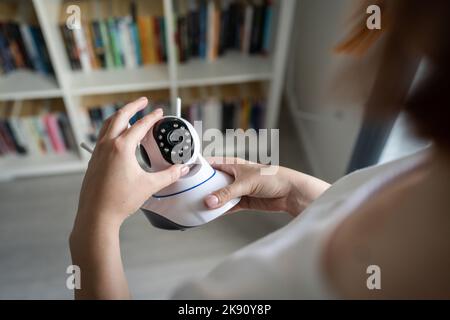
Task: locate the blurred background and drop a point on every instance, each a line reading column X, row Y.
column 235, row 63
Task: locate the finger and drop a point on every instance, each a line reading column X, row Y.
column 161, row 179
column 122, row 116
column 105, row 127
column 222, row 196
column 137, row 132
column 225, row 164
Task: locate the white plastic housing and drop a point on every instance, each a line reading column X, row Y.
column 182, row 203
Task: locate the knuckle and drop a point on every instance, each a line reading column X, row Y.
column 225, row 193
column 174, row 174
column 120, row 113
column 101, row 142
column 118, row 145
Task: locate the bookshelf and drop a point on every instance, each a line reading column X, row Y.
column 74, row 87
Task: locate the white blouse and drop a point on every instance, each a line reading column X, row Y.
column 286, row 264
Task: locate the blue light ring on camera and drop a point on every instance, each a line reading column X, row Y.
column 186, row 190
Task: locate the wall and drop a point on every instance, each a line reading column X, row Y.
column 327, row 128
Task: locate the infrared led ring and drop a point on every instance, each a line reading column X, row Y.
column 174, row 140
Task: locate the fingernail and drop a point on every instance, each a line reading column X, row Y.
column 159, row 110
column 143, row 98
column 184, row 171
column 212, row 201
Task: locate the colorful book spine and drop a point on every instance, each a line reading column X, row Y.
column 203, row 17
column 106, row 39
column 267, row 27
column 82, row 48
column 115, row 42
column 56, row 139
column 99, row 46
column 126, row 42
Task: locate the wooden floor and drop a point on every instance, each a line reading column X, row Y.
column 36, row 217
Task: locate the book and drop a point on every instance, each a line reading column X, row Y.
column 212, row 114
column 99, row 47
column 6, row 55
column 114, row 37
column 66, row 132
column 203, row 23
column 82, row 49
column 126, row 42
column 247, row 31
column 193, row 31
column 106, row 41
column 267, row 29
column 34, row 128
column 54, row 133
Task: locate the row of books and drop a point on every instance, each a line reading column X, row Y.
column 97, row 114
column 22, row 46
column 208, row 29
column 215, row 113
column 33, row 128
column 115, row 34
column 222, row 114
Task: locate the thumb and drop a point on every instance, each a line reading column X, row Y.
column 222, row 196
column 161, row 179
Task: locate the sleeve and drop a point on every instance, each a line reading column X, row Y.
column 242, row 277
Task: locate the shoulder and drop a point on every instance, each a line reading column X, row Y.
column 392, row 235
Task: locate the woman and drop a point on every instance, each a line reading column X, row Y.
column 392, row 218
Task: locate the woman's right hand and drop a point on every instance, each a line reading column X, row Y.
column 284, row 191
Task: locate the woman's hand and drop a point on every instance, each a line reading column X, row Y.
column 115, row 185
column 285, row 191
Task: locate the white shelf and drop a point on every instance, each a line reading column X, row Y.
column 119, row 80
column 25, row 84
column 231, row 68
column 17, row 166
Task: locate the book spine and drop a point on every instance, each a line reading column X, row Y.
column 42, row 49
column 106, row 40
column 20, row 132
column 7, row 139
column 126, row 42
column 55, row 134
column 162, row 38
column 157, row 40
column 83, row 52
column 18, row 149
column 267, row 33
column 64, row 128
column 23, row 48
column 6, row 56
column 115, row 42
column 14, row 46
column 211, row 34
column 65, row 32
column 203, row 29
column 30, row 134
column 136, row 43
column 257, row 30
column 248, row 22
column 99, row 47
column 95, row 63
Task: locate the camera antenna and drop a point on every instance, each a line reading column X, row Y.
column 178, row 109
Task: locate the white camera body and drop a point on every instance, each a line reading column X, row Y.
column 181, row 205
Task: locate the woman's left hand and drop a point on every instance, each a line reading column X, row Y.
column 115, row 186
